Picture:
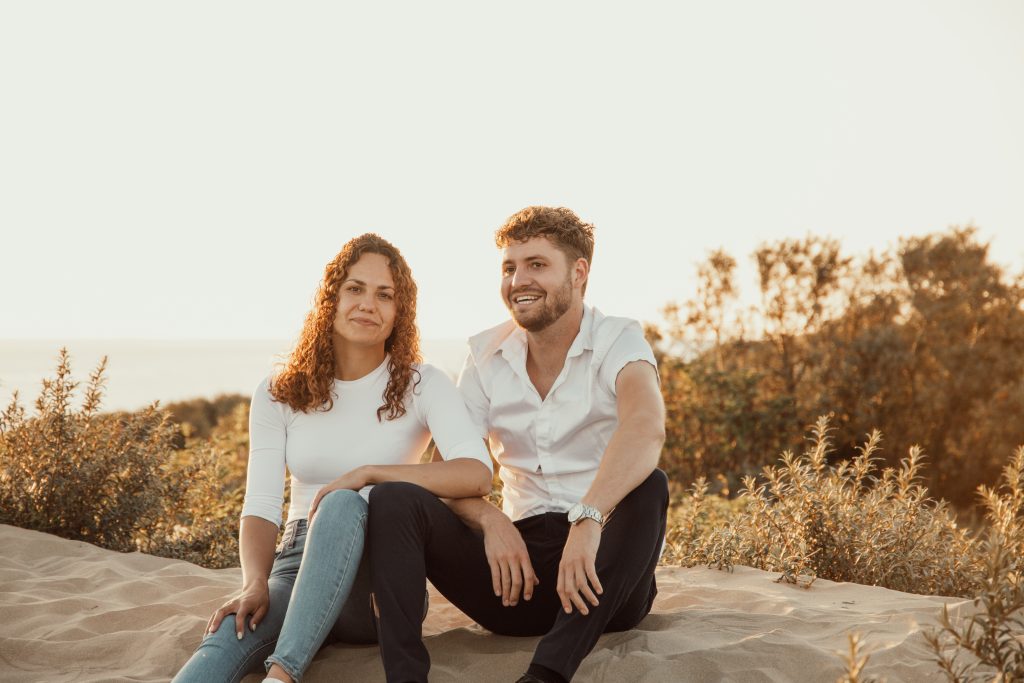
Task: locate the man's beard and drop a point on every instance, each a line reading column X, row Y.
column 555, row 305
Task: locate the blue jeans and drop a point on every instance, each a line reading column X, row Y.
column 315, row 592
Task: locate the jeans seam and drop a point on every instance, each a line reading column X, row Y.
column 244, row 666
column 320, row 629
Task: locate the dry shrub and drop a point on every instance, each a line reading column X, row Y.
column 809, row 519
column 844, row 522
column 988, row 645
column 855, row 659
column 691, row 517
column 114, row 480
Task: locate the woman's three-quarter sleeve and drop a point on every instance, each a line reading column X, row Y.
column 264, row 485
column 443, row 412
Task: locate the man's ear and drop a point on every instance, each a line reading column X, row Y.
column 580, row 272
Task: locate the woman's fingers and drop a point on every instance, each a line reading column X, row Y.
column 240, row 622
column 219, row 615
column 315, row 504
column 257, row 617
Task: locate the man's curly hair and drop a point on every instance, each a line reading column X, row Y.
column 306, row 382
column 562, row 226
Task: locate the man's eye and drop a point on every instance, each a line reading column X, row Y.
column 508, row 270
column 536, row 264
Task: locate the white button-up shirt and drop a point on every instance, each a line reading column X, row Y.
column 549, row 450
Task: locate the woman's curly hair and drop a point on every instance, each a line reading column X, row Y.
column 306, row 382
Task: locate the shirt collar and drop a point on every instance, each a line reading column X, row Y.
column 510, row 339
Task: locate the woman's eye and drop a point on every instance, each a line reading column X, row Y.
column 354, row 289
column 385, row 296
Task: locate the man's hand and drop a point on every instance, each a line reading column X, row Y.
column 354, row 480
column 577, row 576
column 511, row 570
column 254, row 599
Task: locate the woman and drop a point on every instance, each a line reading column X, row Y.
column 323, row 418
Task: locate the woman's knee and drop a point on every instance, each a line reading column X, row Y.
column 341, row 502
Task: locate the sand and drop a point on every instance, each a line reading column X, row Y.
column 70, row 611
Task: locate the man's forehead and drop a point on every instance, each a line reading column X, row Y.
column 534, row 246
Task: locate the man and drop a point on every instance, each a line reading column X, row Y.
column 570, row 401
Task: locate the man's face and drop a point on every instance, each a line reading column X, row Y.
column 536, row 283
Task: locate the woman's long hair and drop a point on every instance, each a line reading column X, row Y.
column 306, row 381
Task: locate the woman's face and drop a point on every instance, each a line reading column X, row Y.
column 366, row 302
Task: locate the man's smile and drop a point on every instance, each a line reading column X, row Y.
column 525, row 299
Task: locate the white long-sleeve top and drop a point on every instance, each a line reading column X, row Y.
column 318, row 447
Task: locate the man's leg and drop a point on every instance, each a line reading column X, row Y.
column 414, row 536
column 626, row 560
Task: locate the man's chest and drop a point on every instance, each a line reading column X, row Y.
column 533, row 412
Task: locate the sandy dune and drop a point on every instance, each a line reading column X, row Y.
column 72, row 612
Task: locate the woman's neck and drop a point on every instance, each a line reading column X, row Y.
column 352, row 361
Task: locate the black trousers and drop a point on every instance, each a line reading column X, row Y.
column 414, row 536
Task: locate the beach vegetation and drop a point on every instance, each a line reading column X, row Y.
column 112, row 479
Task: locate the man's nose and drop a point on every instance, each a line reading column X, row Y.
column 519, row 278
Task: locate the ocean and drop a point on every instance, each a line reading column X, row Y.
column 142, row 371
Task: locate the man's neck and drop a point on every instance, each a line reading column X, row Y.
column 549, row 347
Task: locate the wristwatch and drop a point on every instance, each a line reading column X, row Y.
column 582, row 511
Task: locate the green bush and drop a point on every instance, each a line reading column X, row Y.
column 114, row 480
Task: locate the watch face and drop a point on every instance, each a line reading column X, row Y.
column 575, row 512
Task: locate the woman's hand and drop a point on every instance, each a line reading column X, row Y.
column 353, row 480
column 254, row 599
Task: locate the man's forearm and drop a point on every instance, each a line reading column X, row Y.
column 476, row 513
column 632, row 454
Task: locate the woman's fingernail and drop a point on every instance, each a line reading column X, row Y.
column 252, row 627
column 239, row 635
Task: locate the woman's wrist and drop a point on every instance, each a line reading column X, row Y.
column 368, row 474
column 258, row 582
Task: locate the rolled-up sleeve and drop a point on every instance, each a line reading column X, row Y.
column 264, row 483
column 445, row 414
column 629, row 346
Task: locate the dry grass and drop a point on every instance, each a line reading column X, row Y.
column 807, row 519
column 988, row 644
column 855, row 659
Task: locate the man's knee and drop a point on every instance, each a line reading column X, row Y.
column 654, row 488
column 396, row 498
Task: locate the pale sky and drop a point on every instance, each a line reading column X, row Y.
column 185, row 170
